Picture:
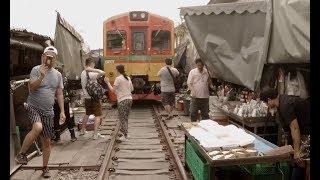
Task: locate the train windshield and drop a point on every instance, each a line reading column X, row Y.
column 116, row 40
column 138, row 41
column 160, row 39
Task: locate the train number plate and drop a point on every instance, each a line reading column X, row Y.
column 109, row 61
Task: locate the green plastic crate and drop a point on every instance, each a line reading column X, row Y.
column 17, row 144
column 269, row 171
column 196, row 163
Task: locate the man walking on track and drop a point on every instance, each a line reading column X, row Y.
column 45, row 83
column 92, row 106
column 199, row 82
column 167, row 75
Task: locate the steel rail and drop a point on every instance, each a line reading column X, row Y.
column 59, row 167
column 179, row 170
column 103, row 172
column 177, row 162
column 20, row 166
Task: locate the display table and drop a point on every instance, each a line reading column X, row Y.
column 259, row 144
column 252, row 124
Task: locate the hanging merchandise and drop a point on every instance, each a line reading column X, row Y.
column 295, row 85
column 302, row 86
column 292, row 84
column 251, row 109
column 281, row 81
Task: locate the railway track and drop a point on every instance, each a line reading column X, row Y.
column 76, row 170
column 148, row 153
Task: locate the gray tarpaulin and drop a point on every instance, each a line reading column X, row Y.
column 68, row 43
column 232, row 38
column 290, row 33
column 237, row 38
column 187, row 46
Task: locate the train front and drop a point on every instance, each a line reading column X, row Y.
column 140, row 41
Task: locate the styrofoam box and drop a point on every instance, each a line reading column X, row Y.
column 78, row 115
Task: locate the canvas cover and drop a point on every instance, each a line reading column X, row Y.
column 238, row 38
column 186, row 54
column 69, row 44
column 232, row 38
column 290, row 34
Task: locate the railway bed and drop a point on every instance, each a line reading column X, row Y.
column 148, row 153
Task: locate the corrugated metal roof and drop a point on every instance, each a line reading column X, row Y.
column 24, row 31
column 31, row 45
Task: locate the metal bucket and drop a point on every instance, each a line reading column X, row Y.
column 186, row 104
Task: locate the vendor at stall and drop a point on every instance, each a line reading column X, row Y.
column 229, row 93
column 295, row 118
column 226, row 93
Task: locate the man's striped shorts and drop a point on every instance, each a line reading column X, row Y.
column 36, row 115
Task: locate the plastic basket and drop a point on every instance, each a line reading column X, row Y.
column 269, row 171
column 197, row 164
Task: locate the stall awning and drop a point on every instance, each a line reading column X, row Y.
column 27, row 44
column 232, row 38
column 227, row 8
column 290, row 32
column 179, row 51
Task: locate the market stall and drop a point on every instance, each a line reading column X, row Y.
column 239, row 38
column 252, row 116
column 209, row 146
column 254, row 44
column 231, row 38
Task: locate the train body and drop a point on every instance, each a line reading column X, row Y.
column 140, row 41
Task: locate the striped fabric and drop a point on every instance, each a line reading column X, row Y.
column 35, row 115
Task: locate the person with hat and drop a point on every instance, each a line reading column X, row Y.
column 45, row 83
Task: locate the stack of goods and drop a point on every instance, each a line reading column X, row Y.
column 79, row 113
column 222, row 141
column 214, row 101
column 251, row 109
column 245, row 96
column 218, row 116
column 232, row 153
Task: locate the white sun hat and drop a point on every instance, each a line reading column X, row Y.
column 51, row 49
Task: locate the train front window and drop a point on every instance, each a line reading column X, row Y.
column 160, row 39
column 116, row 40
column 138, row 41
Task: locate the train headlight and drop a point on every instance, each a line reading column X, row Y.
column 143, row 15
column 134, row 15
column 111, row 74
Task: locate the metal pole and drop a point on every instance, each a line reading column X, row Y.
column 12, row 120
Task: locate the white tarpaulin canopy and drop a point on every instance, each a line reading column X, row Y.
column 233, row 38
